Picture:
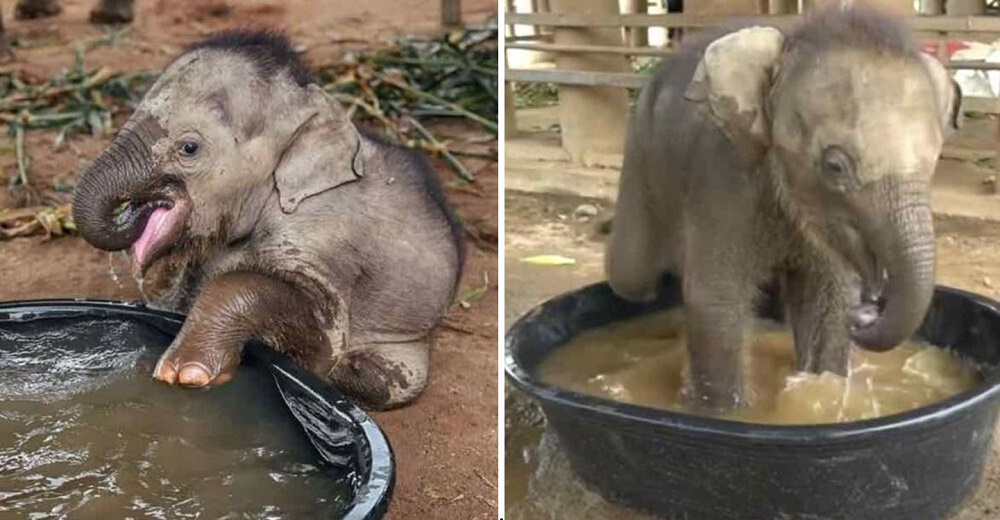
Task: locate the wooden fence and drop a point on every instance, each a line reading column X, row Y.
column 928, row 29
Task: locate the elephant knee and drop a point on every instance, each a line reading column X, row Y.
column 382, row 377
column 630, row 281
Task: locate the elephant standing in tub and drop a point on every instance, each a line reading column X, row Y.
column 804, row 155
column 284, row 223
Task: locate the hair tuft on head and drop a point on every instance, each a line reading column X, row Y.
column 270, row 51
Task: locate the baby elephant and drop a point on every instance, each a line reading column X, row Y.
column 283, row 223
column 805, row 156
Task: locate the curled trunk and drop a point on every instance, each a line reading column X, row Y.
column 904, row 245
column 107, row 205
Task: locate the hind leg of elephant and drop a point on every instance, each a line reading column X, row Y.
column 383, row 376
column 30, row 9
column 109, row 12
column 632, row 261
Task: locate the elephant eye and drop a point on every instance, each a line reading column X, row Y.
column 189, row 148
column 836, row 163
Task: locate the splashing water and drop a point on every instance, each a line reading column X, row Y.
column 139, row 280
column 112, row 270
column 842, row 412
column 644, row 362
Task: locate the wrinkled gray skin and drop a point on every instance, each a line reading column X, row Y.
column 289, row 226
column 748, row 161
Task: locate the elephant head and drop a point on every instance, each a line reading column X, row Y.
column 848, row 132
column 231, row 123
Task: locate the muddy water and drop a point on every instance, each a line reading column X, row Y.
column 643, row 362
column 86, row 433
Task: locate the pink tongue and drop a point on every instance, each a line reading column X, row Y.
column 150, row 234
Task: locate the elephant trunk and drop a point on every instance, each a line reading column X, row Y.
column 108, row 208
column 904, row 246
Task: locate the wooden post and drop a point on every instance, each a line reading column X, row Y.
column 735, row 8
column 509, row 112
column 592, row 119
column 931, row 7
column 723, row 7
column 996, row 162
column 638, row 36
column 896, row 7
column 783, row 7
column 965, row 7
column 451, row 13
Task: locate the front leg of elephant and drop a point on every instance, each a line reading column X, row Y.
column 818, row 298
column 232, row 309
column 718, row 303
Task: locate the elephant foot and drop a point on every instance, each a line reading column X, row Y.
column 113, row 17
column 32, row 9
column 706, row 399
column 383, row 376
column 186, row 366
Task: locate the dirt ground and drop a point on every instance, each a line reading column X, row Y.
column 968, row 251
column 446, row 442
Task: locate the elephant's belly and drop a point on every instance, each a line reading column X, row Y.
column 643, row 362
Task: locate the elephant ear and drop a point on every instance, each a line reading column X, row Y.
column 324, row 152
column 732, row 81
column 949, row 94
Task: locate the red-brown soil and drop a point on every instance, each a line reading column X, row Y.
column 446, row 442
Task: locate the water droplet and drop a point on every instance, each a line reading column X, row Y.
column 139, row 280
column 112, row 270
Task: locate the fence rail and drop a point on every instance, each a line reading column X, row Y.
column 937, row 24
column 935, row 29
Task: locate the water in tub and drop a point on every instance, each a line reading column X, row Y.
column 86, row 433
column 643, row 361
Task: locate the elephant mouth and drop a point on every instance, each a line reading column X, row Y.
column 874, row 278
column 872, row 303
column 161, row 222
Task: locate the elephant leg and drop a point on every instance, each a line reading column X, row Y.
column 30, row 9
column 109, row 12
column 632, row 260
column 383, row 376
column 232, row 309
column 817, row 301
column 718, row 305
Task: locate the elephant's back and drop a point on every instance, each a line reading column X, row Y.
column 677, row 143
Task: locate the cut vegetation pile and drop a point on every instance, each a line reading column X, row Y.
column 401, row 89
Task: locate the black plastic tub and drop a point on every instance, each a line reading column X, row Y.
column 343, row 435
column 918, row 465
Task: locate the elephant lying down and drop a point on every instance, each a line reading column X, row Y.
column 805, row 155
column 283, row 223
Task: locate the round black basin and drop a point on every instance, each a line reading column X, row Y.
column 916, row 465
column 337, row 436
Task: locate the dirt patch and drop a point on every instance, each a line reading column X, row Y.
column 446, row 442
column 539, row 484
